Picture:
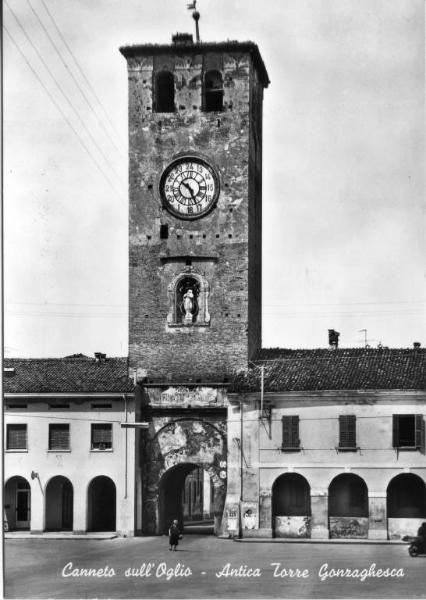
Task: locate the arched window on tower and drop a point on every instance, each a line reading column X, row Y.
column 213, row 91
column 164, row 92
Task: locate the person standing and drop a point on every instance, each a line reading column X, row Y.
column 174, row 535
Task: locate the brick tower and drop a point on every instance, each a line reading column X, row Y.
column 195, row 215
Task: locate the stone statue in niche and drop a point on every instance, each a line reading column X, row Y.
column 188, row 292
column 188, row 304
column 188, row 296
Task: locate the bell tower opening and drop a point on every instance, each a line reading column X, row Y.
column 164, row 92
column 213, row 91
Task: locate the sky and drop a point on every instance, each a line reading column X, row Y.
column 343, row 167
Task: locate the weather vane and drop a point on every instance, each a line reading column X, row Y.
column 196, row 17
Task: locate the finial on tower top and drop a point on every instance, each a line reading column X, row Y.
column 196, row 16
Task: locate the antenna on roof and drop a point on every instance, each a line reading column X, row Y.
column 366, row 339
column 196, row 16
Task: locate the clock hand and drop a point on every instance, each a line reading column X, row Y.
column 189, row 188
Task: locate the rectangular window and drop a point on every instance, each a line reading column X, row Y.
column 290, row 433
column 59, row 436
column 102, row 436
column 347, row 432
column 16, row 437
column 409, row 432
column 104, row 406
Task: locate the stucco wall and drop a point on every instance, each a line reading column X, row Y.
column 80, row 464
column 319, row 461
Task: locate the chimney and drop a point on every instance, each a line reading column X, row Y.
column 100, row 357
column 416, row 345
column 333, row 339
column 182, row 39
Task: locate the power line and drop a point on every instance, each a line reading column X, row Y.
column 61, row 111
column 348, row 303
column 339, row 315
column 46, row 66
column 79, row 68
column 73, row 78
column 65, row 304
column 52, row 417
column 70, row 315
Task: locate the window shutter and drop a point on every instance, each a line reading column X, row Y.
column 290, row 432
column 420, row 433
column 295, row 432
column 347, row 431
column 395, row 431
column 59, row 437
column 16, row 437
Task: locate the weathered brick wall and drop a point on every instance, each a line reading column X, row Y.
column 255, row 217
column 175, row 442
column 224, row 246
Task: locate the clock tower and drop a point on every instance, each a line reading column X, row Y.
column 195, row 224
column 195, row 213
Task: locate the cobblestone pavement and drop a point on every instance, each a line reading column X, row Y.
column 145, row 568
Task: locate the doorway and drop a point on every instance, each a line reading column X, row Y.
column 17, row 504
column 59, row 504
column 102, row 504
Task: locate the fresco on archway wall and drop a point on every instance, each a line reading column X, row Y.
column 182, row 442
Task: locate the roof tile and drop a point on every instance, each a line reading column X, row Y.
column 71, row 374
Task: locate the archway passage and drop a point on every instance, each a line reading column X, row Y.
column 188, row 495
column 17, row 504
column 291, row 506
column 59, row 504
column 348, row 507
column 406, row 505
column 102, row 504
column 169, row 456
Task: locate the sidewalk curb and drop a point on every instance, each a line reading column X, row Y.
column 324, row 541
column 59, row 536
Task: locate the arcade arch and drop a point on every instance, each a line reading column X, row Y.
column 291, row 506
column 348, row 507
column 101, row 504
column 17, row 503
column 59, row 504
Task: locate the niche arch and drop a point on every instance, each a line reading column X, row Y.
column 181, row 312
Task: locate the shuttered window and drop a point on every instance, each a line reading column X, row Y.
column 290, row 432
column 101, row 436
column 347, row 431
column 409, row 432
column 59, row 436
column 16, row 437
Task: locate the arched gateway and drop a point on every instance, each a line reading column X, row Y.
column 175, row 451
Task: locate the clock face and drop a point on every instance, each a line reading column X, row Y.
column 189, row 187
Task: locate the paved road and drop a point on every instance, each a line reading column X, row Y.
column 35, row 569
